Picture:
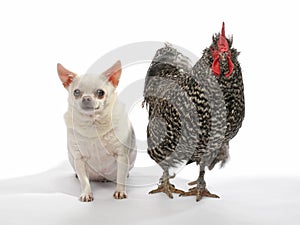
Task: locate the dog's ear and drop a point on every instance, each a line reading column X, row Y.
column 65, row 75
column 113, row 74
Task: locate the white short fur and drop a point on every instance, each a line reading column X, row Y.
column 101, row 141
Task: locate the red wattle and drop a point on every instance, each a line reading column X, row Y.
column 216, row 66
column 230, row 66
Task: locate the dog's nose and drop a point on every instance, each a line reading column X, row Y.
column 86, row 99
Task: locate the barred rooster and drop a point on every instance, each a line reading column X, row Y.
column 193, row 111
column 221, row 58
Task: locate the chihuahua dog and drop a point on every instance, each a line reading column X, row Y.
column 101, row 140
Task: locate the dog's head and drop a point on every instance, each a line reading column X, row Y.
column 90, row 94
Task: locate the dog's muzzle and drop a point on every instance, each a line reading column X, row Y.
column 87, row 103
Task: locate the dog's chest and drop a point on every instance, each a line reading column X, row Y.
column 102, row 145
column 99, row 150
column 96, row 142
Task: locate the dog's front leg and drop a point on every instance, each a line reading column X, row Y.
column 86, row 192
column 122, row 172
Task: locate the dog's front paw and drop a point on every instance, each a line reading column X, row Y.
column 120, row 195
column 86, row 197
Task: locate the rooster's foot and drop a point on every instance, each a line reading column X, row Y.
column 199, row 192
column 167, row 188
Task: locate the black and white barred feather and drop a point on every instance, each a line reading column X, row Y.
column 232, row 88
column 187, row 113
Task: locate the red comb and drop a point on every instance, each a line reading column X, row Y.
column 223, row 30
column 222, row 42
column 222, row 47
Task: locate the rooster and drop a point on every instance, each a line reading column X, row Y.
column 222, row 60
column 193, row 111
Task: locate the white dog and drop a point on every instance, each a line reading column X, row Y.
column 101, row 141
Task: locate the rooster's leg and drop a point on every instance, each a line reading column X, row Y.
column 165, row 186
column 200, row 190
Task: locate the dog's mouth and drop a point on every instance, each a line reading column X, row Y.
column 90, row 108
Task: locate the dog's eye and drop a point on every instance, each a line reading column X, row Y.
column 77, row 93
column 100, row 93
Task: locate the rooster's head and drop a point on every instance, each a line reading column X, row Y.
column 221, row 54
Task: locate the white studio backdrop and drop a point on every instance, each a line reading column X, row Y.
column 36, row 35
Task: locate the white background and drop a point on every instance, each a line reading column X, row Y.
column 36, row 35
